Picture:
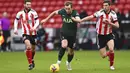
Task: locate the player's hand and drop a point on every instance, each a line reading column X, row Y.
column 16, row 32
column 72, row 18
column 43, row 21
column 32, row 29
column 106, row 21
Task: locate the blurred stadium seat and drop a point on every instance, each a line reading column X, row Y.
column 44, row 8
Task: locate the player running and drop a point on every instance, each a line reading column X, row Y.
column 29, row 21
column 107, row 19
column 68, row 31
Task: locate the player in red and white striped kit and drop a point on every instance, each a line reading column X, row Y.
column 106, row 19
column 29, row 21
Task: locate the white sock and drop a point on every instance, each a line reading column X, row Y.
column 58, row 62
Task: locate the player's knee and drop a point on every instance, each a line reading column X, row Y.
column 71, row 53
column 111, row 50
column 64, row 43
column 28, row 47
column 103, row 55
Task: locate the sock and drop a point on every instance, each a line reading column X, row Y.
column 33, row 54
column 70, row 57
column 58, row 62
column 61, row 53
column 111, row 58
column 29, row 55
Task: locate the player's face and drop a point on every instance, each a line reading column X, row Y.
column 28, row 5
column 106, row 7
column 68, row 9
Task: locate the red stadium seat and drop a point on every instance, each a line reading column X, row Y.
column 13, row 4
column 20, row 4
column 60, row 3
column 45, row 7
column 40, row 3
column 122, row 1
column 34, row 4
column 128, row 1
column 10, row 10
column 120, row 6
column 86, row 2
column 127, row 6
column 46, row 3
column 94, row 2
column 53, row 3
column 98, row 7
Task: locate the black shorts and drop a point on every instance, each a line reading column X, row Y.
column 31, row 38
column 102, row 40
column 71, row 40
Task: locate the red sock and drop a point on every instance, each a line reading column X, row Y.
column 29, row 55
column 111, row 58
column 33, row 54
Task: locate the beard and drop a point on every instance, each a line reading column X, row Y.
column 27, row 8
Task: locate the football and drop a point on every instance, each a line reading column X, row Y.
column 54, row 68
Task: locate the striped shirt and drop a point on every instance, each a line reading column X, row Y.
column 28, row 20
column 101, row 27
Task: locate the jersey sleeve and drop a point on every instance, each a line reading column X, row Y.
column 35, row 15
column 97, row 14
column 18, row 15
column 77, row 14
column 60, row 11
column 114, row 17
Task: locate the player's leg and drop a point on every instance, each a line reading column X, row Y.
column 28, row 50
column 103, row 52
column 33, row 55
column 64, row 44
column 102, row 43
column 70, row 54
column 33, row 43
column 69, row 58
column 111, row 53
column 29, row 53
column 71, row 41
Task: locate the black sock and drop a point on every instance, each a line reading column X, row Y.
column 9, row 45
column 70, row 57
column 61, row 53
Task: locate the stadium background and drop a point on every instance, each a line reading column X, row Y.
column 86, row 38
column 84, row 61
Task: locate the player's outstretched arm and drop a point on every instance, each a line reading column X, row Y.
column 50, row 16
column 15, row 26
column 87, row 18
column 76, row 19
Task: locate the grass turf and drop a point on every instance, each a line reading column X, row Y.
column 83, row 62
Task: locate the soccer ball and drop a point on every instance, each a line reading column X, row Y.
column 54, row 68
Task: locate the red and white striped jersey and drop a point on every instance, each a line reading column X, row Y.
column 28, row 20
column 101, row 27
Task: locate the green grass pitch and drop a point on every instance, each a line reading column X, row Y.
column 83, row 62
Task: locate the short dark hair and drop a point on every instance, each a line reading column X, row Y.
column 26, row 1
column 107, row 1
column 67, row 3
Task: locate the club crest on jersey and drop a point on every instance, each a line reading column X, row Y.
column 67, row 20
